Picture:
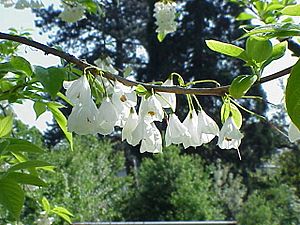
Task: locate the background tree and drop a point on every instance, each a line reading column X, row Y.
column 172, row 187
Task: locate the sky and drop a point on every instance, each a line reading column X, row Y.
column 24, row 19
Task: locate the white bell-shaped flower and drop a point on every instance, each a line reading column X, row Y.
column 176, row 132
column 191, row 123
column 141, row 131
column 78, row 91
column 130, row 125
column 293, row 133
column 71, row 14
column 106, row 65
column 151, row 109
column 230, row 136
column 207, row 127
column 168, row 100
column 152, row 141
column 83, row 118
column 123, row 98
column 107, row 117
column 165, row 14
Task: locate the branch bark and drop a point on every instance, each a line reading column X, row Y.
column 218, row 91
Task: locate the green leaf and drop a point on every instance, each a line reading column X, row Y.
column 3, row 146
column 39, row 108
column 292, row 95
column 227, row 49
column 258, row 49
column 23, row 178
column 245, row 16
column 63, row 213
column 127, row 71
column 46, row 205
column 21, row 65
column 277, row 52
column 140, row 90
column 275, row 6
column 11, row 197
column 29, row 164
column 229, row 109
column 291, row 10
column 241, row 84
column 18, row 145
column 51, row 78
column 61, row 120
column 6, row 125
column 62, row 210
column 161, row 36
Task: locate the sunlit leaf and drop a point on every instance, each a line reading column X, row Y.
column 291, row 10
column 227, row 49
column 241, row 84
column 292, row 95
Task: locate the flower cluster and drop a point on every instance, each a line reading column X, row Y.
column 72, row 13
column 22, row 4
column 165, row 13
column 119, row 109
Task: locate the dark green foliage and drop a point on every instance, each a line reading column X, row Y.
column 172, row 187
column 275, row 206
column 290, row 168
column 256, row 211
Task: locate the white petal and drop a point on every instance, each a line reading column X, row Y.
column 78, row 91
column 168, row 100
column 191, row 123
column 230, row 136
column 294, row 133
column 152, row 141
column 107, row 117
column 207, row 127
column 176, row 132
column 151, row 109
column 82, row 119
column 130, row 126
column 140, row 131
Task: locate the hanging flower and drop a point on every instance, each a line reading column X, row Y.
column 123, row 98
column 106, row 65
column 207, row 127
column 191, row 123
column 78, row 91
column 168, row 100
column 165, row 14
column 140, row 132
column 293, row 133
column 230, row 136
column 107, row 117
column 130, row 125
column 176, row 132
column 83, row 118
column 151, row 109
column 71, row 14
column 152, row 141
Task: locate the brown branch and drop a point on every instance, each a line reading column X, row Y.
column 218, row 91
